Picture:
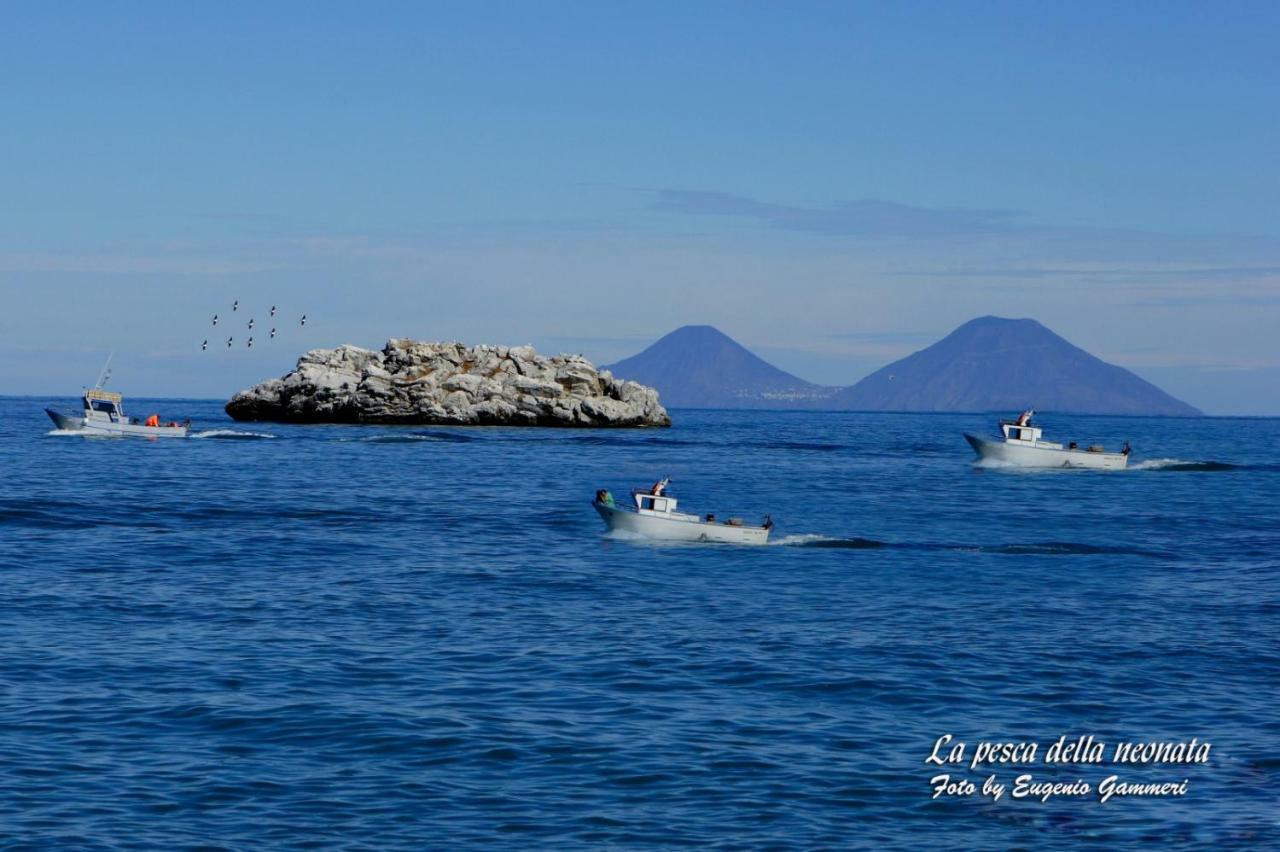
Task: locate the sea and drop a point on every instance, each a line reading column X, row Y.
column 364, row 637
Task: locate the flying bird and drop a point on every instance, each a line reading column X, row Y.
column 205, row 345
column 229, row 339
column 250, row 343
column 215, row 319
column 273, row 310
column 250, row 323
column 304, row 320
column 235, row 306
column 273, row 334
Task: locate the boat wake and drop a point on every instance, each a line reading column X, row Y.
column 412, row 438
column 1063, row 548
column 230, row 435
column 812, row 540
column 1180, row 465
column 627, row 441
column 1045, row 548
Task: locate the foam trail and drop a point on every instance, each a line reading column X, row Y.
column 1065, row 548
column 814, row 540
column 230, row 434
column 388, row 439
column 1181, row 465
column 410, row 438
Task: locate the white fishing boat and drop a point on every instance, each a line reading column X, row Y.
column 103, row 414
column 1023, row 445
column 655, row 516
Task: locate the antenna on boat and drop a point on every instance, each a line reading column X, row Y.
column 105, row 375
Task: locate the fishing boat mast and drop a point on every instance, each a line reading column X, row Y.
column 105, row 375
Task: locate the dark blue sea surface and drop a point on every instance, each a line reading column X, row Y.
column 403, row 638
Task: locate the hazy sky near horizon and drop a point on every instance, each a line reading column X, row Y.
column 833, row 184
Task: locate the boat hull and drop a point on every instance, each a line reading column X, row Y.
column 1044, row 457
column 65, row 422
column 107, row 429
column 676, row 529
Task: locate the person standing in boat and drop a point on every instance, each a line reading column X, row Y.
column 1024, row 419
column 660, row 486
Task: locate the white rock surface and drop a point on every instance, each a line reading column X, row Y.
column 452, row 384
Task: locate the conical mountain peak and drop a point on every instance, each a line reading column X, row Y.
column 699, row 366
column 989, row 363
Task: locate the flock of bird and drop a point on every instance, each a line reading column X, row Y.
column 235, row 308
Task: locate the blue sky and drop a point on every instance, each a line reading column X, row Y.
column 834, row 184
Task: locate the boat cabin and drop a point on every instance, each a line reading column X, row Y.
column 1014, row 432
column 1026, row 435
column 660, row 505
column 648, row 504
column 103, row 405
